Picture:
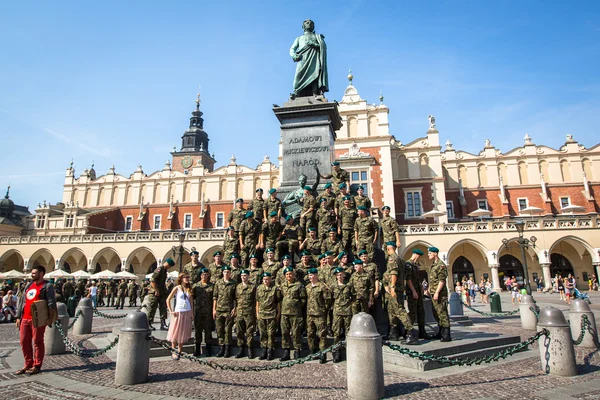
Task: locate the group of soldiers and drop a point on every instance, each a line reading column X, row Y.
column 110, row 292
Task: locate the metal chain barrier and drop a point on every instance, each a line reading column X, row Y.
column 77, row 315
column 504, row 314
column 84, row 353
column 108, row 316
column 585, row 323
column 469, row 361
column 267, row 367
column 534, row 311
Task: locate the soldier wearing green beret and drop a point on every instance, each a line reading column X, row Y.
column 245, row 314
column 270, row 264
column 414, row 293
column 132, row 291
column 216, row 267
column 224, row 310
column 193, row 267
column 271, row 232
column 338, row 175
column 268, row 312
column 157, row 294
column 371, row 268
column 327, row 276
column 346, row 218
column 236, row 216
column 326, row 219
column 286, row 262
column 438, row 274
column 258, row 206
column 303, row 267
column 365, row 231
column 332, row 243
column 394, row 283
column 255, row 272
column 361, row 200
column 121, row 294
column 202, row 293
column 273, row 204
column 309, row 207
column 236, row 267
column 343, row 297
column 312, row 244
column 249, row 237
column 292, row 305
column 328, row 196
column 231, row 244
column 341, row 197
column 345, row 265
column 389, row 227
column 363, row 287
column 291, row 237
column 317, row 298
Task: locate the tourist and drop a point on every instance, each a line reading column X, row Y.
column 560, row 286
column 570, row 286
column 93, row 294
column 9, row 306
column 38, row 289
column 180, row 328
column 515, row 291
column 594, row 282
column 482, row 291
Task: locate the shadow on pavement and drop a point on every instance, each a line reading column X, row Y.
column 397, row 389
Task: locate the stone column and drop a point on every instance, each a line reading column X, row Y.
column 364, row 365
column 495, row 278
column 133, row 353
column 547, row 276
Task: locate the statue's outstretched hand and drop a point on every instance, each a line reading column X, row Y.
column 297, row 57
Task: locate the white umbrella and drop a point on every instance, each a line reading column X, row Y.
column 103, row 275
column 572, row 208
column 531, row 210
column 13, row 274
column 81, row 274
column 173, row 274
column 58, row 273
column 480, row 212
column 126, row 275
column 433, row 213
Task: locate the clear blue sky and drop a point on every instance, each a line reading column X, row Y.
column 115, row 82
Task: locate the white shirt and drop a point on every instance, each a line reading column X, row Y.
column 93, row 290
column 182, row 301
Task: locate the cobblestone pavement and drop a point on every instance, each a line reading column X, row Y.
column 94, row 378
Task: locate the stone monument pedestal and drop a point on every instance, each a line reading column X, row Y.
column 308, row 126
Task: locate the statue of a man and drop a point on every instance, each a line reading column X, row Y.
column 292, row 204
column 310, row 52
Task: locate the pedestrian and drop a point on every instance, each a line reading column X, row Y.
column 93, row 290
column 38, row 289
column 515, row 292
column 182, row 315
column 9, row 305
column 560, row 285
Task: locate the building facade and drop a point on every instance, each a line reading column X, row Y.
column 465, row 204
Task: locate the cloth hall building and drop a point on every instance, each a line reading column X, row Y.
column 464, row 204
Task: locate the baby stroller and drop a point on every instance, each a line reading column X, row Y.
column 582, row 296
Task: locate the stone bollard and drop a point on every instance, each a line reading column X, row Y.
column 579, row 308
column 133, row 352
column 83, row 325
column 560, row 345
column 364, row 355
column 456, row 307
column 528, row 318
column 428, row 306
column 53, row 341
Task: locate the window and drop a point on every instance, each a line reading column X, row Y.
column 450, row 209
column 157, row 219
column 413, row 204
column 187, row 221
column 220, row 220
column 41, row 221
column 128, row 222
column 69, row 221
column 564, row 202
column 483, row 204
column 361, row 178
column 523, row 203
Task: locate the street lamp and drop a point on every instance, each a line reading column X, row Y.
column 524, row 245
column 179, row 249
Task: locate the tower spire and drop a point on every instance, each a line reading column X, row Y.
column 7, row 192
column 198, row 100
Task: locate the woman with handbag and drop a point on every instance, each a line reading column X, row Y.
column 182, row 314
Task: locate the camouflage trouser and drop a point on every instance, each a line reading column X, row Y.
column 341, row 323
column 292, row 246
column 110, row 300
column 397, row 313
column 121, row 300
column 132, row 299
column 307, row 222
column 203, row 324
column 245, row 325
column 316, row 326
column 416, row 310
column 224, row 324
column 267, row 328
column 348, row 240
column 291, row 331
column 324, row 231
column 440, row 311
column 360, row 305
column 100, row 299
column 246, row 252
column 366, row 244
column 159, row 302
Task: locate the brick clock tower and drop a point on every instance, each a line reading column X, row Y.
column 194, row 146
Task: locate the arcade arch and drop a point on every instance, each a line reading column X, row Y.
column 73, row 260
column 10, row 260
column 106, row 259
column 468, row 258
column 141, row 261
column 42, row 257
column 423, row 246
column 572, row 255
column 185, row 259
column 207, row 257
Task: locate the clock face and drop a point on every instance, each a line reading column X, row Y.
column 186, row 162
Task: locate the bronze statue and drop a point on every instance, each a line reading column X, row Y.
column 310, row 52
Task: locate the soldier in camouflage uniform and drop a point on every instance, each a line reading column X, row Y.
column 365, row 231
column 224, row 310
column 236, row 216
column 363, row 284
column 343, row 297
column 271, row 232
column 255, row 272
column 438, row 274
column 332, row 243
column 245, row 314
column 361, row 200
column 303, row 267
column 249, row 237
column 144, row 290
column 309, row 207
column 346, row 218
column 338, row 175
column 273, row 203
column 372, row 269
column 389, row 227
column 231, row 244
column 121, row 294
column 342, row 262
column 394, row 283
column 328, row 196
column 101, row 293
column 270, row 265
column 414, row 294
column 193, row 267
column 291, row 236
column 318, row 297
column 216, row 267
column 132, row 290
column 312, row 244
column 287, row 262
column 80, row 288
column 157, row 294
column 341, row 197
column 68, row 290
column 326, row 219
column 234, row 264
column 292, row 306
column 258, row 206
column 268, row 311
column 202, row 293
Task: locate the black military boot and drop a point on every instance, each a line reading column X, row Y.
column 337, row 356
column 221, row 352
column 151, row 327
column 207, row 352
column 412, row 337
column 227, row 351
column 250, row 353
column 263, row 355
column 393, row 334
column 240, row 352
column 163, row 325
column 323, row 358
column 438, row 335
column 297, row 354
column 446, row 335
column 423, row 333
column 402, row 332
column 270, row 354
column 286, row 355
column 197, row 349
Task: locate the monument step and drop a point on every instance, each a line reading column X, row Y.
column 462, row 320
